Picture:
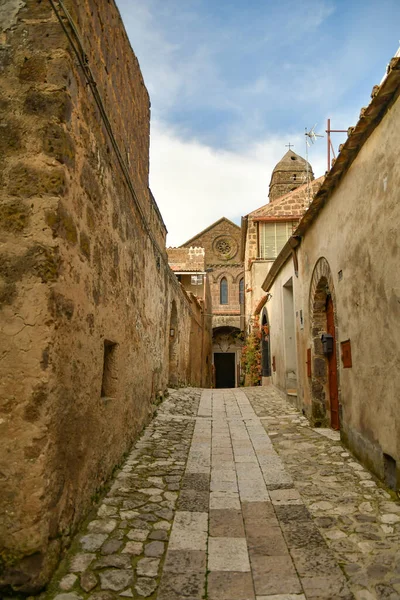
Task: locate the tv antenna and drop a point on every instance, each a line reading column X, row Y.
column 311, row 137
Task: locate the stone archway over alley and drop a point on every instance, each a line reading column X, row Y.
column 231, row 495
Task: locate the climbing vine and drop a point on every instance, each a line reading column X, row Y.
column 251, row 358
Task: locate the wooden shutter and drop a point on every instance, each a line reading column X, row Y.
column 308, row 362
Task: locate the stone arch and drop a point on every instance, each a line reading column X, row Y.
column 226, row 274
column 237, row 277
column 173, row 346
column 321, row 290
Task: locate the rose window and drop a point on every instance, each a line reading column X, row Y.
column 223, row 247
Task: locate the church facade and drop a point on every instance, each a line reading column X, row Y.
column 224, row 270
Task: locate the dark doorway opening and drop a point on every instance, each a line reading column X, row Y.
column 332, row 366
column 390, row 473
column 224, row 363
column 265, row 349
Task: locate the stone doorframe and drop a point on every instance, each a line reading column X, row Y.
column 320, row 288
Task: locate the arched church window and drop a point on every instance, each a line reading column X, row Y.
column 241, row 291
column 223, row 291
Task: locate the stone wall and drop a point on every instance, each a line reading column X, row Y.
column 85, row 289
column 186, row 259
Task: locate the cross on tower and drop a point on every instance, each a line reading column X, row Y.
column 290, row 145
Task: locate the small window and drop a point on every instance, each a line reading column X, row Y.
column 241, row 291
column 196, row 279
column 109, row 380
column 294, row 177
column 223, row 291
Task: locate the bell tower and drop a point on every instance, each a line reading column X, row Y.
column 290, row 173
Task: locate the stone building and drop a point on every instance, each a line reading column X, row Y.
column 334, row 292
column 87, row 298
column 189, row 267
column 266, row 230
column 221, row 242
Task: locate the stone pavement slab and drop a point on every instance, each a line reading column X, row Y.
column 340, row 547
column 228, row 554
column 230, row 495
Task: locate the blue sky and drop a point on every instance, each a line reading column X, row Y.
column 232, row 81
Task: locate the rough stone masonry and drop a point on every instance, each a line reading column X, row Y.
column 85, row 288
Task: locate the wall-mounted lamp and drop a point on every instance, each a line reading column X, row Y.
column 172, row 332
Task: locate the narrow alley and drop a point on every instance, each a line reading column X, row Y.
column 231, row 495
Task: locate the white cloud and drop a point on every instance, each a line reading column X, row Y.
column 195, row 185
column 232, row 83
column 188, row 60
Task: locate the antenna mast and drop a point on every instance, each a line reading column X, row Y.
column 310, row 137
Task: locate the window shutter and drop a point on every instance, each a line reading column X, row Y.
column 267, row 240
column 273, row 236
column 281, row 236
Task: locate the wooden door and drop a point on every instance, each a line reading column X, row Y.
column 332, row 367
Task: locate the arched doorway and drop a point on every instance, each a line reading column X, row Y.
column 324, row 378
column 173, row 346
column 332, row 365
column 265, row 346
column 227, row 344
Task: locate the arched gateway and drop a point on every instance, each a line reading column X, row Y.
column 227, row 345
column 323, row 320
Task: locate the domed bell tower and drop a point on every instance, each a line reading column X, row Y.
column 290, row 173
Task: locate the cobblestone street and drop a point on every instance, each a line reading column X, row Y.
column 230, row 495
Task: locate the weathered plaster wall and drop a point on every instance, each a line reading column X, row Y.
column 200, row 342
column 360, row 240
column 255, row 277
column 196, row 290
column 276, row 317
column 83, row 275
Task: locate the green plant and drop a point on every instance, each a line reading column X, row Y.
column 251, row 358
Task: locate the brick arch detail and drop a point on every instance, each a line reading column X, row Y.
column 321, row 271
column 238, row 277
column 220, row 276
column 321, row 285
